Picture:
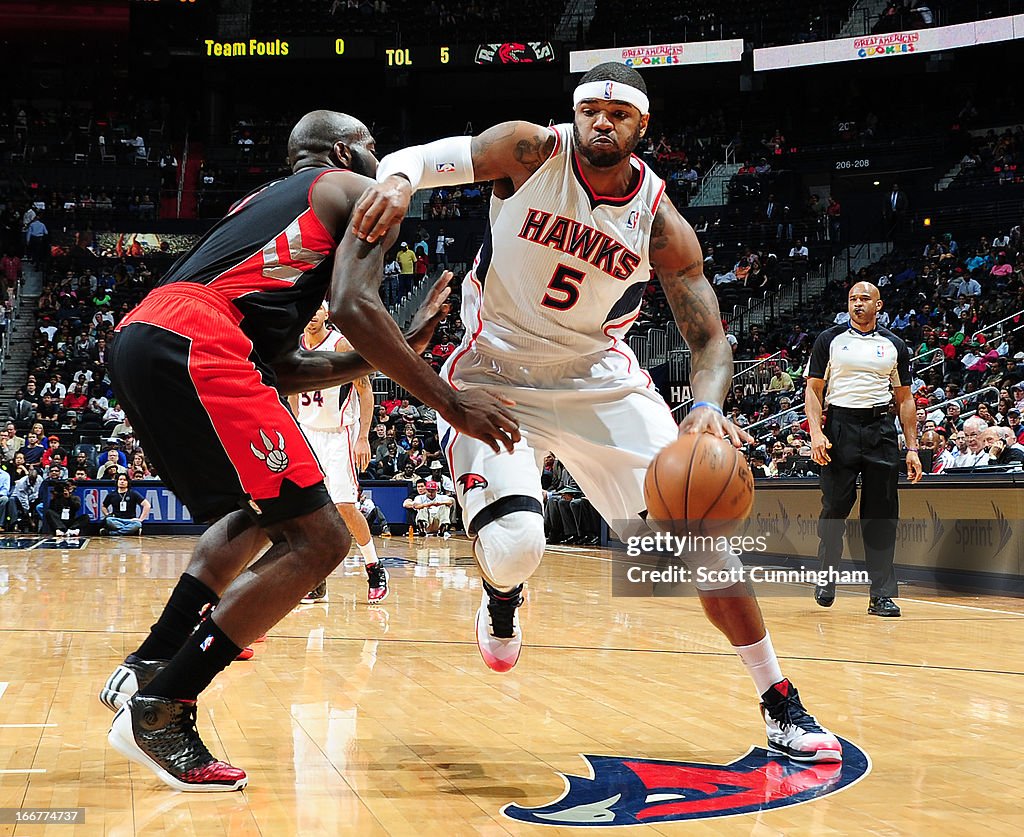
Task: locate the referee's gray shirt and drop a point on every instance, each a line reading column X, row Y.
column 859, row 368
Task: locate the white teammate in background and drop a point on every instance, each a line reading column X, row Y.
column 577, row 225
column 336, row 422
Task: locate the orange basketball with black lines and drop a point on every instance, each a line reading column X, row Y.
column 699, row 485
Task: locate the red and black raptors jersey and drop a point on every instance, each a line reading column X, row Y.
column 268, row 257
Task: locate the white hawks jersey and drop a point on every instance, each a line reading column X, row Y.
column 562, row 270
column 332, row 408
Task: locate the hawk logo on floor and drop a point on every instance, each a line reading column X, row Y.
column 470, row 481
column 628, row 791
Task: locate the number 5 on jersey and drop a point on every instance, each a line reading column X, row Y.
column 565, row 282
column 314, row 397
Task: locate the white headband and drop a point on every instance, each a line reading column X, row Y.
column 612, row 91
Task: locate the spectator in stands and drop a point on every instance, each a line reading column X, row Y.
column 406, row 268
column 970, row 288
column 1014, row 423
column 780, row 381
column 405, row 441
column 21, row 410
column 834, row 213
column 975, row 452
column 26, row 494
column 407, row 411
column 414, row 454
column 54, row 388
column 111, row 466
column 1001, row 447
column 934, row 457
column 420, row 268
column 75, row 399
column 125, row 509
column 34, row 448
column 36, row 240
column 788, row 416
column 407, row 474
column 11, row 442
column 444, row 347
column 139, row 468
column 441, row 247
column 8, row 513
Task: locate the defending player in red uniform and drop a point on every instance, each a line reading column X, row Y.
column 201, row 367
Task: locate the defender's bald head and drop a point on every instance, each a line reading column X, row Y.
column 316, row 134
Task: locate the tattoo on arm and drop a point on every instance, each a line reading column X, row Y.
column 531, row 153
column 659, row 236
column 482, row 144
column 694, row 305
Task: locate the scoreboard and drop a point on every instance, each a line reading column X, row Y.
column 362, row 48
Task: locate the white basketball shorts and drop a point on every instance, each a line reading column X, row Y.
column 600, row 415
column 334, row 449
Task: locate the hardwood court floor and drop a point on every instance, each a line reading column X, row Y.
column 352, row 720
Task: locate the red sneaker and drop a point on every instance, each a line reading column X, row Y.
column 245, row 654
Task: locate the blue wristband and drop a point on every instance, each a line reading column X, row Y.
column 709, row 405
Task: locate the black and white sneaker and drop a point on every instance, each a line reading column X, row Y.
column 160, row 734
column 133, row 674
column 498, row 635
column 792, row 730
column 317, row 594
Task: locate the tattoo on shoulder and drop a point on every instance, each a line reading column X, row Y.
column 531, row 153
column 481, row 144
column 659, row 237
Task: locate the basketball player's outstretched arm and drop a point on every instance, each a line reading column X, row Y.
column 356, row 308
column 303, row 371
column 507, row 154
column 676, row 257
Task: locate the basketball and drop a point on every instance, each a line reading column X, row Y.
column 700, row 485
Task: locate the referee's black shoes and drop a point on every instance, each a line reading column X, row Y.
column 883, row 606
column 825, row 594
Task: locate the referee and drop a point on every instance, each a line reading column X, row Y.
column 859, row 362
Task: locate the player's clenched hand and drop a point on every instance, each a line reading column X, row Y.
column 706, row 420
column 381, row 207
column 430, row 313
column 486, row 417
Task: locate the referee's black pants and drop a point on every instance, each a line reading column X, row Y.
column 864, row 443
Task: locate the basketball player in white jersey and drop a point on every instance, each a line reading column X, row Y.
column 336, row 423
column 577, row 224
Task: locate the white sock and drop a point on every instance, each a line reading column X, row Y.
column 368, row 551
column 761, row 663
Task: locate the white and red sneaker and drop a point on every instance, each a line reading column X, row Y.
column 377, row 583
column 793, row 731
column 497, row 628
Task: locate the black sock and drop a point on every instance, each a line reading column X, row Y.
column 183, row 611
column 204, row 655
